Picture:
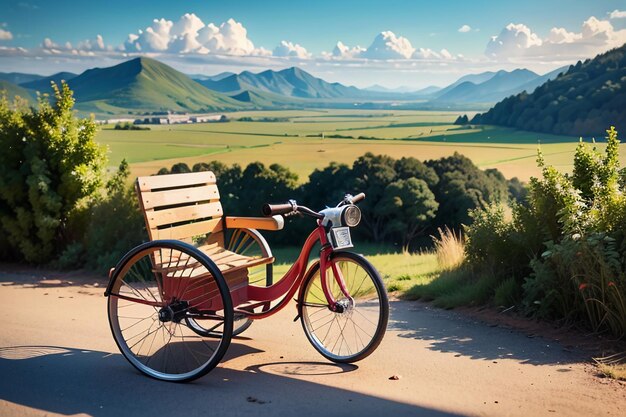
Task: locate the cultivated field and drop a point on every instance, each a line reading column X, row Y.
column 294, row 139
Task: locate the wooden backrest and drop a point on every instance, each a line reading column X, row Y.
column 181, row 206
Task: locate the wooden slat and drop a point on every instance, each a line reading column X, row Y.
column 175, row 180
column 261, row 223
column 155, row 199
column 187, row 230
column 185, row 213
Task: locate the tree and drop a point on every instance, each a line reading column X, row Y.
column 408, row 206
column 463, row 186
column 50, row 170
column 372, row 173
column 462, row 120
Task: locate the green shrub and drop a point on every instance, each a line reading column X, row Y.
column 507, row 293
column 51, row 170
column 562, row 255
column 116, row 223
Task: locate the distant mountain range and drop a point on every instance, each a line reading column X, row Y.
column 291, row 82
column 146, row 85
column 584, row 100
column 490, row 87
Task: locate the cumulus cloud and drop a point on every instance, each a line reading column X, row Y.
column 561, row 35
column 288, row 49
column 343, row 51
column 190, row 35
column 5, row 35
column 617, row 14
column 387, row 45
column 518, row 40
column 465, row 28
column 87, row 47
column 513, row 40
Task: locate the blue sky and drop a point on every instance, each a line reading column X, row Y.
column 415, row 43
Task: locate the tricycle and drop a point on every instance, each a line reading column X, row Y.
column 175, row 302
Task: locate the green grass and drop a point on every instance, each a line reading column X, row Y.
column 295, row 141
column 451, row 289
column 399, row 271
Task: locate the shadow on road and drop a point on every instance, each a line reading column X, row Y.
column 70, row 381
column 451, row 332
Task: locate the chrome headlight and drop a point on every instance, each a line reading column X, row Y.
column 341, row 216
column 351, row 216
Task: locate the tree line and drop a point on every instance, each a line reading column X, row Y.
column 578, row 102
column 407, row 199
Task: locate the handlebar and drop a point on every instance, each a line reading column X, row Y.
column 273, row 209
column 292, row 207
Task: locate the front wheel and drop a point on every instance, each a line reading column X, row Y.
column 356, row 330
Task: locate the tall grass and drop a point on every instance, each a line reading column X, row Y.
column 449, row 248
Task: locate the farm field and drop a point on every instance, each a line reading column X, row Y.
column 307, row 139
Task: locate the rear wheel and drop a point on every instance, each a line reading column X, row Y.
column 156, row 288
column 248, row 242
column 356, row 329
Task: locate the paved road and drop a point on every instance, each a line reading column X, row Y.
column 57, row 357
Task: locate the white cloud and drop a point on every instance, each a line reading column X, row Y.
column 429, row 54
column 513, row 40
column 190, row 35
column 617, row 14
column 85, row 47
column 465, row 28
column 387, row 45
column 288, row 49
column 5, row 35
column 230, row 38
column 96, row 44
column 561, row 35
column 343, row 51
column 518, row 41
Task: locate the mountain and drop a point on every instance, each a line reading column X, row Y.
column 530, row 86
column 585, row 100
column 402, row 89
column 428, row 91
column 215, row 77
column 11, row 90
column 291, row 82
column 472, row 78
column 499, row 85
column 19, row 77
column 144, row 84
column 43, row 84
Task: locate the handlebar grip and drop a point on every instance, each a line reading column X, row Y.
column 358, row 197
column 273, row 209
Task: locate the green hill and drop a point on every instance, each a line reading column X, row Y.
column 144, row 84
column 44, row 84
column 583, row 101
column 11, row 90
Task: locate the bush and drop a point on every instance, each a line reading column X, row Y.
column 562, row 256
column 51, row 171
column 116, row 223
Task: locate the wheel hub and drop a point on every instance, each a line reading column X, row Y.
column 344, row 306
column 175, row 312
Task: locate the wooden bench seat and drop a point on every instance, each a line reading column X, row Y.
column 187, row 207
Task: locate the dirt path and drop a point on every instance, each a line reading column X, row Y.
column 57, row 356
